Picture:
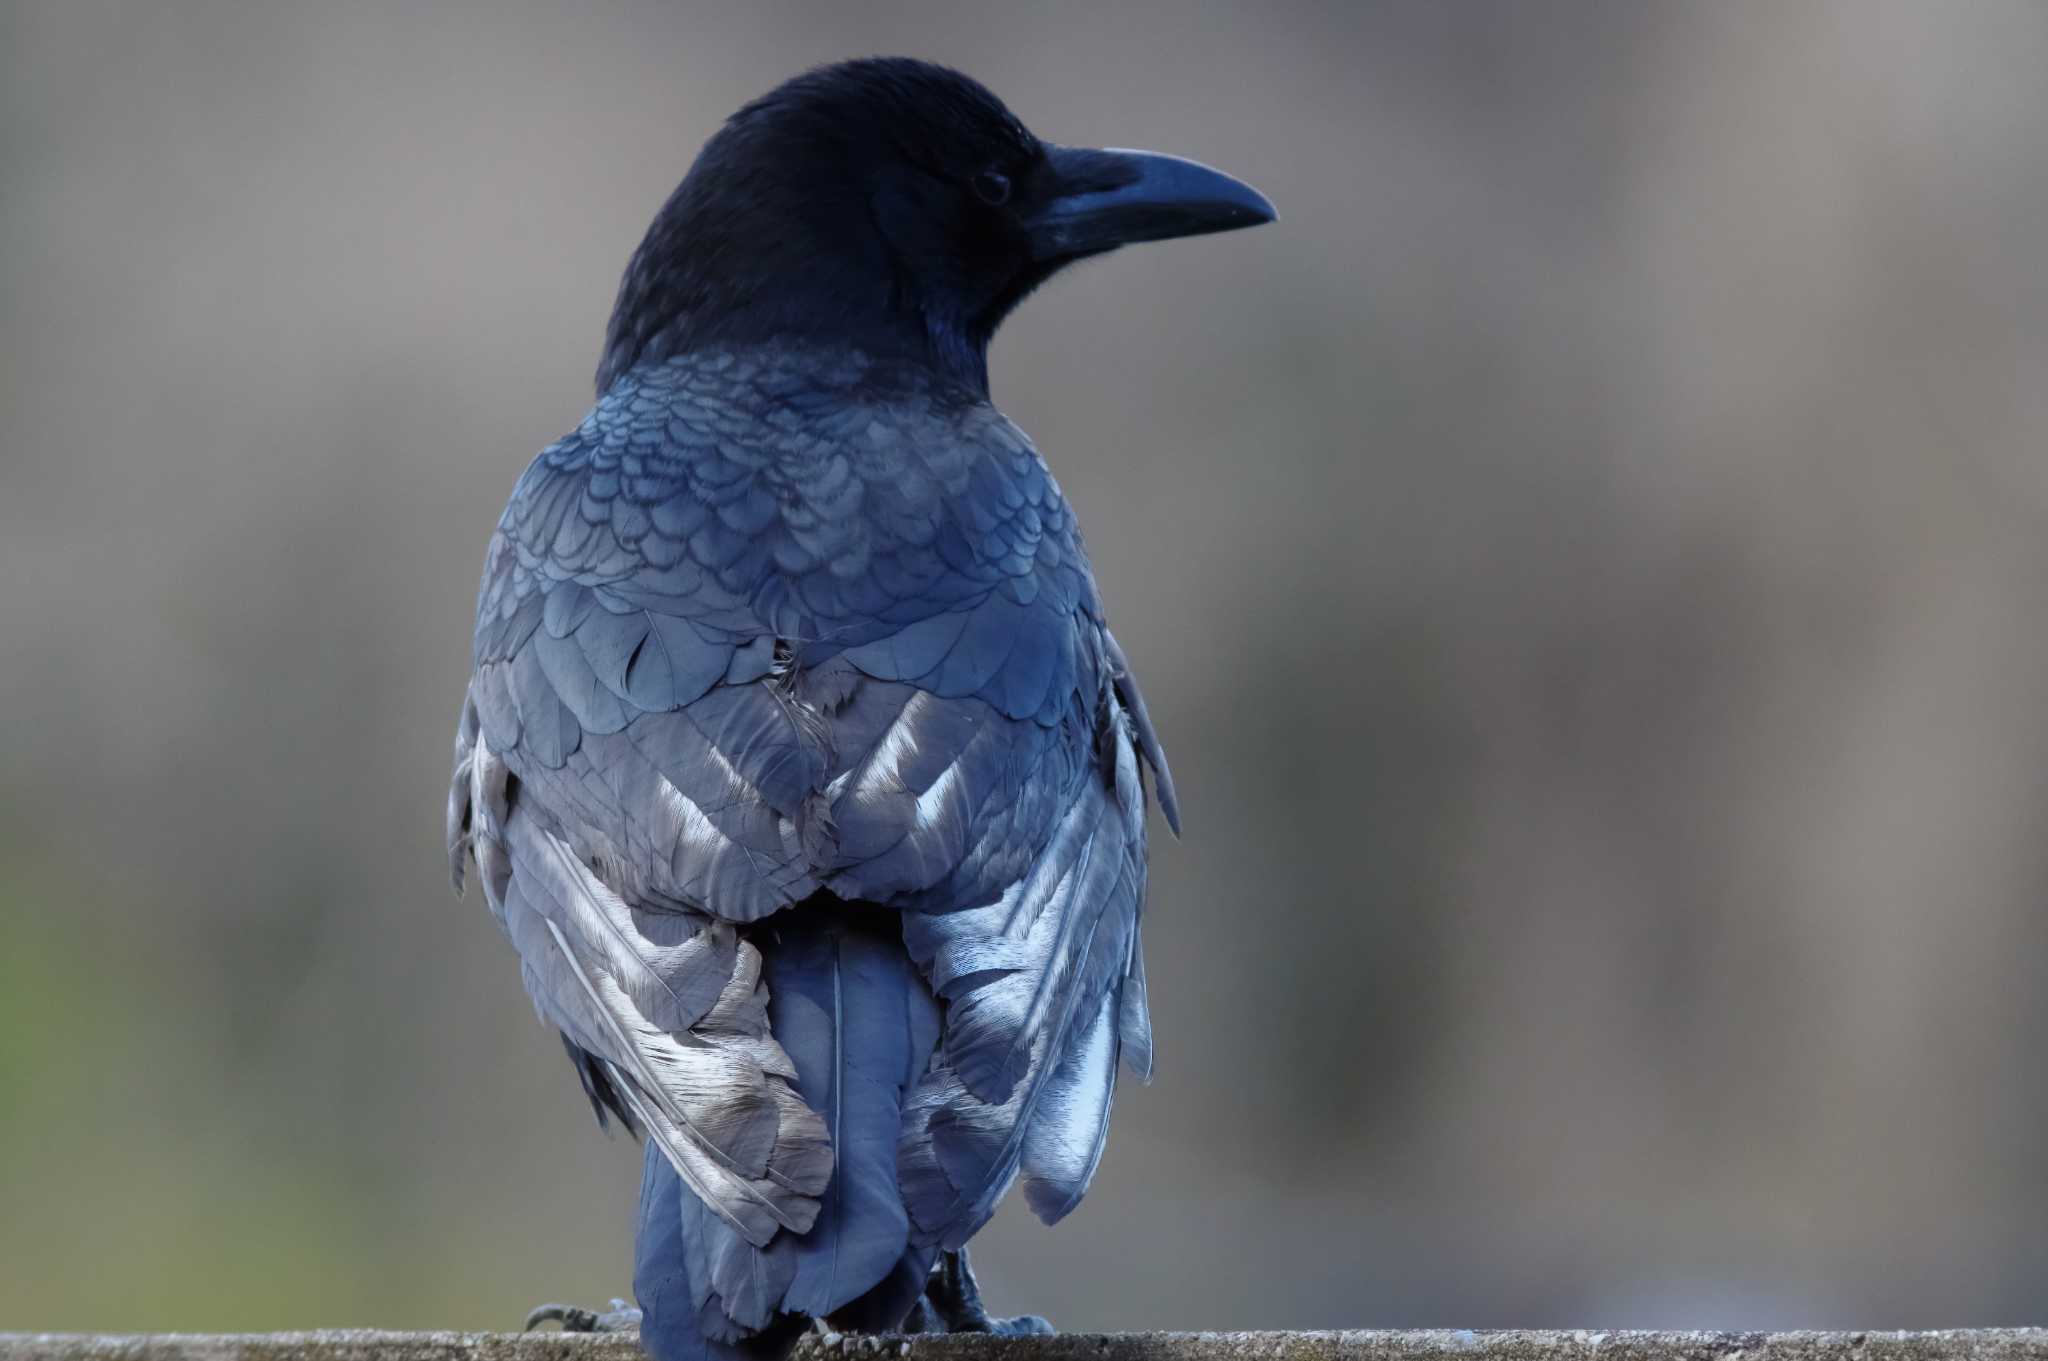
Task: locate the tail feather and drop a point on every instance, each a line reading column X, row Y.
column 847, row 1005
column 883, row 1309
column 682, row 1319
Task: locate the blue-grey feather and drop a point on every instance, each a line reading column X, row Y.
column 1134, row 1019
column 883, row 1308
column 595, row 708
column 856, row 1019
column 609, row 642
column 705, row 622
column 674, row 666
column 913, row 652
column 682, row 1319
column 860, row 1024
column 1064, row 1141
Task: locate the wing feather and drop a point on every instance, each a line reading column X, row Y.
column 675, row 1007
column 1036, row 980
column 746, row 635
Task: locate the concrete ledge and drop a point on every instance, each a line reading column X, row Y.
column 1984, row 1344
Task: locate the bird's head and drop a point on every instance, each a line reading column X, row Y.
column 895, row 206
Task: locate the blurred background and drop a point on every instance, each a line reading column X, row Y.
column 1587, row 562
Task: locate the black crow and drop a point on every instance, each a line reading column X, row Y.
column 798, row 762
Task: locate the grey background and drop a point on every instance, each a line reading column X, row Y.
column 1586, row 561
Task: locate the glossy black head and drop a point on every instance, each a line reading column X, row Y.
column 895, row 206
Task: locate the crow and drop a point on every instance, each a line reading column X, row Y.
column 797, row 761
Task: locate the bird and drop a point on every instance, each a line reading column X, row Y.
column 797, row 761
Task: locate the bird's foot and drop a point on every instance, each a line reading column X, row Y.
column 620, row 1318
column 953, row 1298
column 922, row 1319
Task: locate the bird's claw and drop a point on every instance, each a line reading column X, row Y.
column 1024, row 1325
column 620, row 1318
column 953, row 1298
column 572, row 1319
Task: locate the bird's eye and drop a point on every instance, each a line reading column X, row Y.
column 992, row 187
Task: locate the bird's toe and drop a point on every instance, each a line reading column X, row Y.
column 620, row 1318
column 1024, row 1325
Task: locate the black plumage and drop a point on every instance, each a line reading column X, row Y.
column 798, row 762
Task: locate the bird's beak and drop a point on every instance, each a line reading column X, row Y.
column 1098, row 200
